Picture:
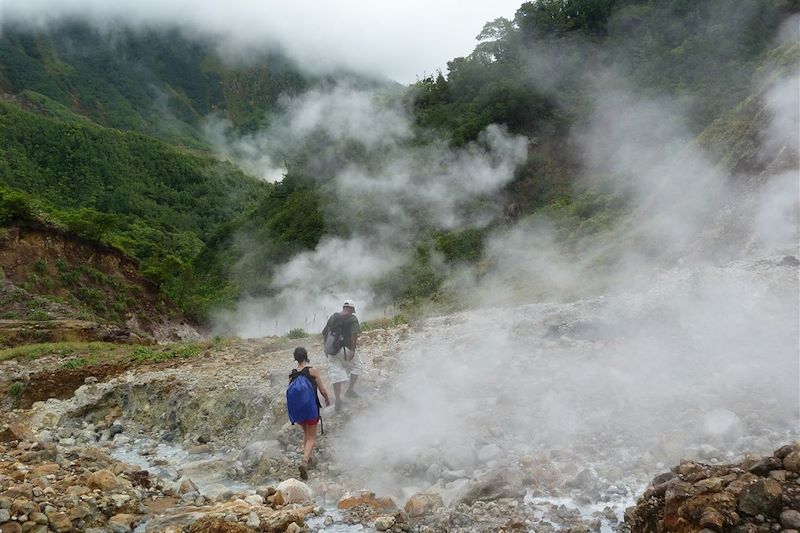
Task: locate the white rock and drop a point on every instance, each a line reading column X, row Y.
column 488, row 452
column 254, row 499
column 253, row 520
column 294, row 491
column 382, row 523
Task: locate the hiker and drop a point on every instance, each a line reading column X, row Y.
column 303, row 403
column 340, row 338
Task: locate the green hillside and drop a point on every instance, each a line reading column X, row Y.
column 155, row 201
column 104, row 134
column 158, row 81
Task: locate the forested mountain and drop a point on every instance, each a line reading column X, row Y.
column 158, row 81
column 102, row 130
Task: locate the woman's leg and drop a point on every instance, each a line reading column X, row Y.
column 309, row 440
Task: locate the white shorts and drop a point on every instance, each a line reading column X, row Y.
column 339, row 369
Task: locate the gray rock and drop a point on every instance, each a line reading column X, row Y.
column 792, row 462
column 761, row 497
column 452, row 475
column 790, row 519
column 489, row 452
column 257, row 451
column 459, row 457
column 499, row 483
column 765, row 465
column 115, row 429
column 433, row 473
column 5, row 516
column 253, row 520
column 783, row 451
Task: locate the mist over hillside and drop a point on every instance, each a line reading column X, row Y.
column 567, row 130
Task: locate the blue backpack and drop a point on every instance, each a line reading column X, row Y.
column 301, row 398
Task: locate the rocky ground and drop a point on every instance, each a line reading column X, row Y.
column 758, row 495
column 202, row 443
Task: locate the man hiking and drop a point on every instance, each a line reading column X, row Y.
column 340, row 339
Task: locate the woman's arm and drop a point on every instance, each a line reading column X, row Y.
column 320, row 385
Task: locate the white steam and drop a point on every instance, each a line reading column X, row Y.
column 692, row 349
column 402, row 188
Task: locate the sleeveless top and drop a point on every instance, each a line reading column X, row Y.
column 305, row 372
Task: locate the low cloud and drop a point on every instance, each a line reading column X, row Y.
column 398, row 40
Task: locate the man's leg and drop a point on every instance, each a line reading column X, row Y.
column 354, row 368
column 337, row 392
column 350, row 392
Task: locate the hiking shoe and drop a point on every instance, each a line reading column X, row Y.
column 303, row 471
column 352, row 394
column 337, row 408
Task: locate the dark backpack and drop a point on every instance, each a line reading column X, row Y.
column 301, row 398
column 334, row 334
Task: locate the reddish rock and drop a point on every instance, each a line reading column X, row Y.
column 367, row 499
column 422, row 503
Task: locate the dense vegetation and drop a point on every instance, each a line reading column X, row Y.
column 155, row 80
column 142, row 195
column 106, row 136
column 536, row 73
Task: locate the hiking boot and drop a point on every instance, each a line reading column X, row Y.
column 303, row 471
column 352, row 394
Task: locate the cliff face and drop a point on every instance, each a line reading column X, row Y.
column 56, row 287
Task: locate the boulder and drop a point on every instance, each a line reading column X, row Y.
column 104, row 480
column 460, row 456
column 121, row 523
column 496, row 484
column 383, row 523
column 185, row 486
column 215, row 524
column 253, row 521
column 765, row 465
column 368, row 499
column 761, row 497
column 294, row 491
column 259, row 450
column 792, row 462
column 285, row 520
column 10, row 527
column 790, row 519
column 423, row 503
column 60, row 522
column 489, row 452
column 783, row 451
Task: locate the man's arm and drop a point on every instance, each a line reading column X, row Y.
column 355, row 329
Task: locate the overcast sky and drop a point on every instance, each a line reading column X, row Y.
column 399, row 39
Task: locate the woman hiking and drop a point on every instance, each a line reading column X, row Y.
column 303, row 403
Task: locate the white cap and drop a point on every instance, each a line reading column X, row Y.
column 349, row 303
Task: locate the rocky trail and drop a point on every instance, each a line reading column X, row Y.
column 550, row 422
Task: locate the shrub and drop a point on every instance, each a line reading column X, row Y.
column 16, row 388
column 297, row 333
